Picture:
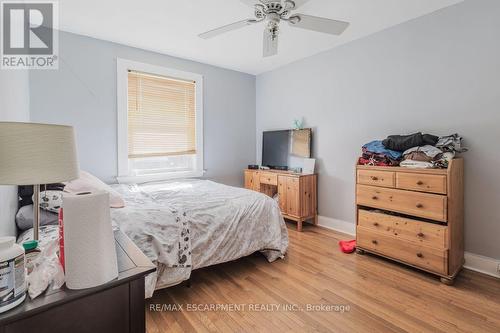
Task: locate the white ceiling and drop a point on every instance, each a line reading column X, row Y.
column 172, row 27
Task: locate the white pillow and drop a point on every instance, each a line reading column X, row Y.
column 90, row 183
column 51, row 200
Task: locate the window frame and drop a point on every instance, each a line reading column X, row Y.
column 123, row 66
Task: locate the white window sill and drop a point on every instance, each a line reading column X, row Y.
column 159, row 177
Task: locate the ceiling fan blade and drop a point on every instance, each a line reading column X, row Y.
column 226, row 28
column 319, row 24
column 270, row 44
column 252, row 3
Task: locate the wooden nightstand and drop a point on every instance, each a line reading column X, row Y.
column 117, row 306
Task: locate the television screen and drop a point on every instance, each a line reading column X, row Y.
column 280, row 147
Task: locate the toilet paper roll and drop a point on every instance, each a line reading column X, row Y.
column 89, row 244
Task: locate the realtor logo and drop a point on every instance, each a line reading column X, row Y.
column 29, row 35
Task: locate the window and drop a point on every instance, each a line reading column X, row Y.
column 159, row 123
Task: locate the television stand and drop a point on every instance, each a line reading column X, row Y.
column 298, row 193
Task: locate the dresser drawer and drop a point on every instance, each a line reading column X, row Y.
column 421, row 182
column 269, row 178
column 252, row 180
column 431, row 206
column 292, row 196
column 377, row 178
column 430, row 259
column 418, row 232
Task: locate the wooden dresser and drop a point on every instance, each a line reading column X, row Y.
column 414, row 216
column 297, row 192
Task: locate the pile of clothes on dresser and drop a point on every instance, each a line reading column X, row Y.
column 413, row 151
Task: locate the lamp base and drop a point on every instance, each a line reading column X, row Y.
column 36, row 211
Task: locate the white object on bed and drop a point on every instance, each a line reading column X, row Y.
column 90, row 183
column 207, row 222
column 89, row 245
column 24, row 218
column 50, row 201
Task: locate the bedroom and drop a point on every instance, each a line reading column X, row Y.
column 397, row 68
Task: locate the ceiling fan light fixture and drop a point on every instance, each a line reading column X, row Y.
column 273, row 30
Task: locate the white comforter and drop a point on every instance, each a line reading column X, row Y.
column 190, row 224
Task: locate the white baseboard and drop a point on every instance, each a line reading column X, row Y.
column 474, row 262
column 482, row 264
column 337, row 225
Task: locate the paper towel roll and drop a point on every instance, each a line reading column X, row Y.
column 89, row 244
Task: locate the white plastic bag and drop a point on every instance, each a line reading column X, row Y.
column 47, row 270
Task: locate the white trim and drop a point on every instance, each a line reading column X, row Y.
column 482, row 264
column 345, row 227
column 122, row 68
column 122, row 110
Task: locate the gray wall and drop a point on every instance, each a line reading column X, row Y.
column 82, row 93
column 14, row 106
column 439, row 73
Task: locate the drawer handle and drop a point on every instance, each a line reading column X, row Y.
column 420, row 255
column 374, row 178
column 420, row 205
column 375, row 197
column 420, row 182
column 374, row 242
column 376, row 224
column 421, row 235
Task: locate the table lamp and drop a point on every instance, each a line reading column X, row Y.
column 34, row 154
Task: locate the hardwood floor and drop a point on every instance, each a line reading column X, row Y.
column 378, row 295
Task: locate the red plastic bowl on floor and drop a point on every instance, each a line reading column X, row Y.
column 347, row 246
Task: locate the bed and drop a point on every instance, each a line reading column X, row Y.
column 184, row 225
column 190, row 224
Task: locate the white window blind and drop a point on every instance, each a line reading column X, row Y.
column 161, row 116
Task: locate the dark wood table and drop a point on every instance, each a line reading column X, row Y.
column 117, row 306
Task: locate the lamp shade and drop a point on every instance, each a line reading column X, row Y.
column 37, row 154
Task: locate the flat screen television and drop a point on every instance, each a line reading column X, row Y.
column 280, row 148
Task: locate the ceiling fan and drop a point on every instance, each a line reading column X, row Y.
column 272, row 12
